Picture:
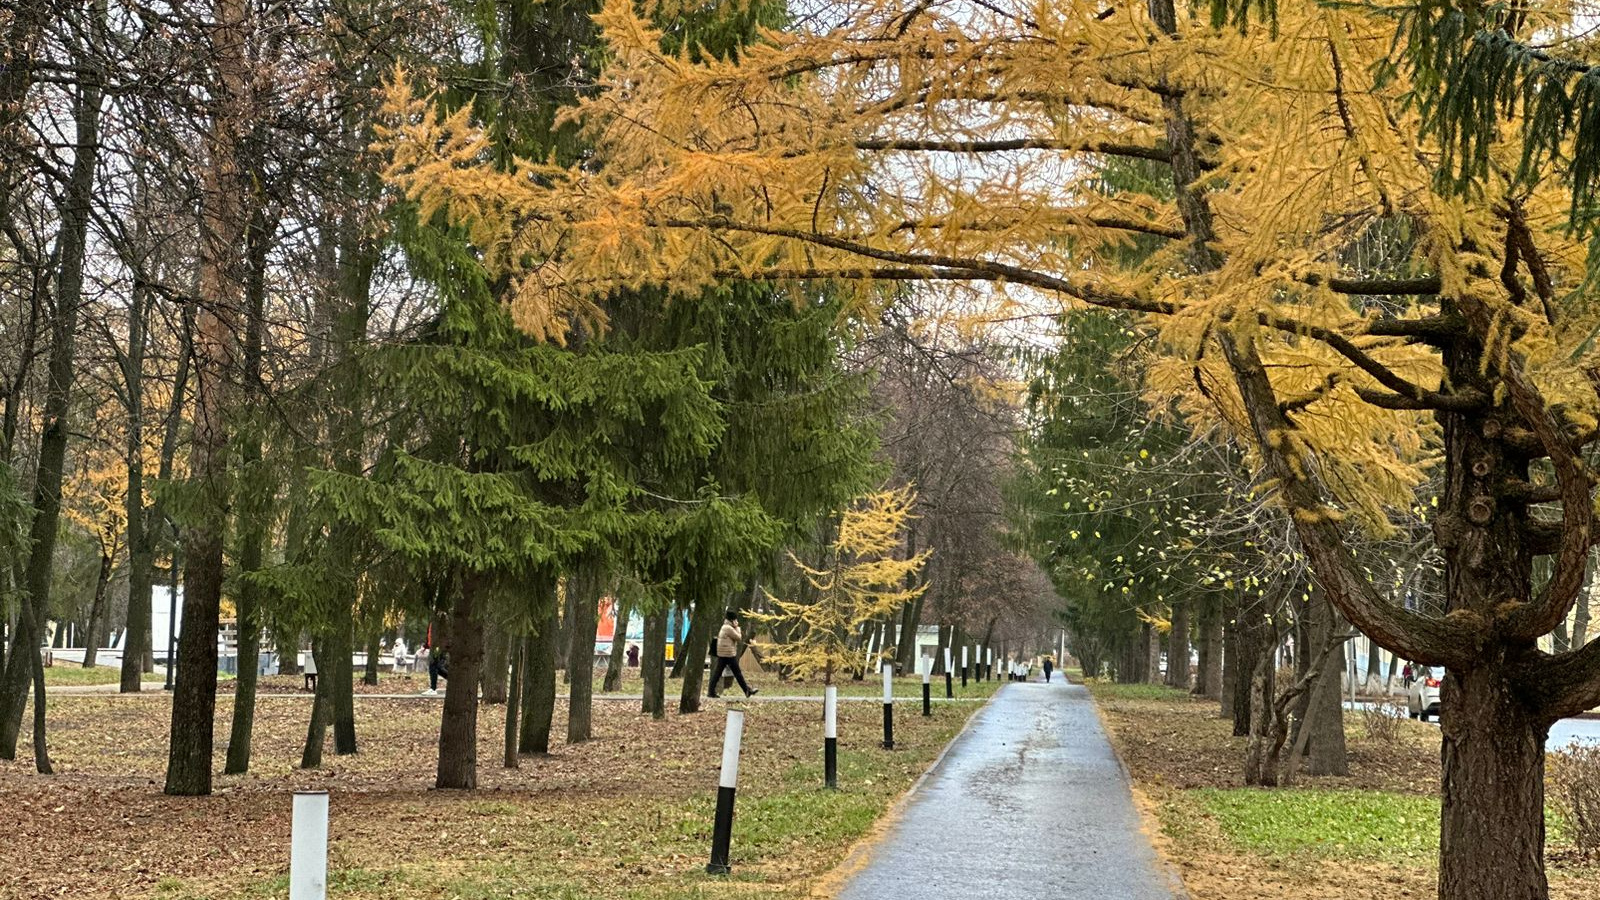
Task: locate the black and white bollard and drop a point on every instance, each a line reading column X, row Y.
column 949, row 677
column 888, row 706
column 963, row 665
column 308, row 846
column 988, row 664
column 830, row 736
column 927, row 689
column 722, row 825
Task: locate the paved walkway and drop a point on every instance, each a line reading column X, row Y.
column 1028, row 802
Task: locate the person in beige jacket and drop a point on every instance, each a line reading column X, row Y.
column 728, row 656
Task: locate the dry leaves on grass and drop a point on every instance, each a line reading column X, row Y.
column 628, row 810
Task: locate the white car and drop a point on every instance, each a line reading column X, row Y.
column 1422, row 697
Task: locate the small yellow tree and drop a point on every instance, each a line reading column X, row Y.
column 862, row 581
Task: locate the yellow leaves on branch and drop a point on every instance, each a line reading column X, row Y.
column 970, row 141
column 862, row 581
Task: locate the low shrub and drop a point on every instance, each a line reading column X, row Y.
column 1382, row 719
column 1575, row 777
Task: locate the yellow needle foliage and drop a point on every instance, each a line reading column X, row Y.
column 863, row 583
column 966, row 141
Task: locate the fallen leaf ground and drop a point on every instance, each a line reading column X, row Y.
column 626, row 815
column 1373, row 833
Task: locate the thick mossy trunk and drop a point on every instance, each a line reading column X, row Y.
column 458, row 725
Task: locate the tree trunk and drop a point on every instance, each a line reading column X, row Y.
column 496, row 665
column 136, row 634
column 344, row 682
column 1260, row 765
column 689, row 637
column 514, row 700
column 1230, row 668
column 254, row 511
column 1580, row 621
column 223, row 192
column 288, row 653
column 702, row 627
column 1494, row 754
column 321, row 710
column 1325, row 709
column 1178, row 647
column 910, row 620
column 97, row 610
column 619, row 648
column 1152, row 655
column 1209, row 684
column 585, row 587
column 652, row 664
column 458, row 724
column 945, row 635
column 539, row 686
column 564, row 634
column 374, row 650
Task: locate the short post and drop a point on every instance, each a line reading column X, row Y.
column 308, row 846
column 963, row 665
column 888, row 706
column 949, row 677
column 722, row 826
column 830, row 736
column 988, row 663
column 927, row 689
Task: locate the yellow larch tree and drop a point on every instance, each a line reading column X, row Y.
column 862, row 581
column 1358, row 323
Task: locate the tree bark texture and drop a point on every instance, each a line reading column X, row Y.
column 584, row 586
column 539, row 689
column 216, row 312
column 458, row 724
column 652, row 664
column 255, row 509
column 619, row 647
column 702, row 626
column 1178, row 647
column 497, row 644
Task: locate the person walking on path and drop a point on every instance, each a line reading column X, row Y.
column 1049, row 666
column 728, row 656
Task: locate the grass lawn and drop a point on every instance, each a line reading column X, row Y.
column 75, row 674
column 1372, row 833
column 626, row 815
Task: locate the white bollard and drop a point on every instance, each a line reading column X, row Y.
column 926, row 664
column 888, row 706
column 830, row 736
column 308, row 847
column 727, row 785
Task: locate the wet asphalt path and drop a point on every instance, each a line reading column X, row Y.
column 1028, row 801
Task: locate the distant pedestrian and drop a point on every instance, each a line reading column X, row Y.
column 728, row 656
column 1049, row 666
column 633, row 656
column 438, row 663
column 310, row 671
